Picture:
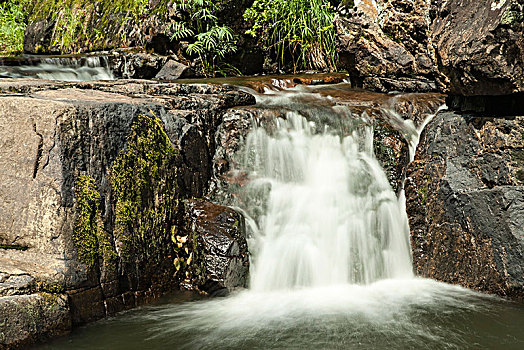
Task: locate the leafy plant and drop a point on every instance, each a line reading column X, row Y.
column 12, row 27
column 299, row 30
column 209, row 41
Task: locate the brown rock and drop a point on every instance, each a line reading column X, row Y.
column 384, row 45
column 221, row 237
column 480, row 46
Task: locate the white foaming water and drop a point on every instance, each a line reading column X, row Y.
column 65, row 69
column 332, row 217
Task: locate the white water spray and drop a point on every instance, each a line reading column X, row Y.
column 332, row 217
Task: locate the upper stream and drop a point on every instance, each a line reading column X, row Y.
column 330, row 253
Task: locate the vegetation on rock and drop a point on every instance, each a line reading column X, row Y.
column 12, row 27
column 210, row 41
column 297, row 34
column 88, row 234
column 297, row 30
column 143, row 179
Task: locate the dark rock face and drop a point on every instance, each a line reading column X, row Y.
column 480, row 45
column 38, row 35
column 50, row 135
column 220, row 232
column 465, row 201
column 501, row 105
column 384, row 45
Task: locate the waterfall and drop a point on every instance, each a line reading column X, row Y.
column 328, row 239
column 60, row 68
column 332, row 217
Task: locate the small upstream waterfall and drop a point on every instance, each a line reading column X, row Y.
column 332, row 217
column 61, row 68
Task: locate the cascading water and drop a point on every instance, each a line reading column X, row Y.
column 332, row 217
column 61, row 68
column 330, row 255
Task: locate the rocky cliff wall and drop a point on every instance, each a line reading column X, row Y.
column 465, row 48
column 92, row 213
column 465, row 201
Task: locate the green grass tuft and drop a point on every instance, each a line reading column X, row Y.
column 301, row 30
column 12, row 28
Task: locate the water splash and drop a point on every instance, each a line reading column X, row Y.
column 332, row 217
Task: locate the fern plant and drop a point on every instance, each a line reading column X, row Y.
column 209, row 41
column 299, row 29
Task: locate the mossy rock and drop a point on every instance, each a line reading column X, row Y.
column 144, row 182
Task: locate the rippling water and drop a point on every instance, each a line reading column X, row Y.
column 390, row 314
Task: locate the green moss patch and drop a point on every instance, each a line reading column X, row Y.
column 89, row 237
column 144, row 182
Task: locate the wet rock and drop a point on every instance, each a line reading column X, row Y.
column 385, row 45
column 465, row 201
column 392, row 152
column 38, row 36
column 221, row 236
column 480, row 46
column 230, row 137
column 128, row 64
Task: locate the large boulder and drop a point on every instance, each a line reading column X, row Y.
column 220, row 232
column 480, row 45
column 91, row 175
column 465, row 202
column 384, row 44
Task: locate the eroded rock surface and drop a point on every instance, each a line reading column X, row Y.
column 51, row 135
column 467, row 48
column 465, row 201
column 480, row 45
column 385, row 46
